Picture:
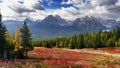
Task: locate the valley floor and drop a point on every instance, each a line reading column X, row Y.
column 86, row 58
column 104, row 51
column 67, row 58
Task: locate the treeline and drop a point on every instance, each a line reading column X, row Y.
column 87, row 40
column 16, row 46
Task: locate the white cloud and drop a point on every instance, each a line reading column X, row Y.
column 97, row 8
column 118, row 19
column 13, row 9
column 32, row 3
column 69, row 13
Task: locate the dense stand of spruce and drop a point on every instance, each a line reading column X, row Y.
column 87, row 40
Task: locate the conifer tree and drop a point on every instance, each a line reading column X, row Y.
column 17, row 45
column 26, row 38
column 3, row 42
column 16, row 39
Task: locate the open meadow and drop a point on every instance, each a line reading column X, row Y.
column 84, row 58
column 42, row 57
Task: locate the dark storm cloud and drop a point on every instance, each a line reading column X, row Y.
column 38, row 7
column 21, row 9
column 109, row 2
column 0, row 1
column 104, row 2
column 114, row 9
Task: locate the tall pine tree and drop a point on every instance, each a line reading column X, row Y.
column 3, row 42
column 26, row 38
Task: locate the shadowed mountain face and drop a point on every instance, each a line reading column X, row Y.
column 117, row 25
column 54, row 20
column 55, row 26
column 108, row 23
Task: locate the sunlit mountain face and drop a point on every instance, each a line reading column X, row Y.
column 56, row 18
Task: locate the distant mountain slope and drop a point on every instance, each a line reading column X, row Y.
column 54, row 20
column 117, row 25
column 51, row 27
column 109, row 23
column 11, row 25
column 88, row 24
column 55, row 26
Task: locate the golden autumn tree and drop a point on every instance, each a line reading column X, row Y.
column 16, row 42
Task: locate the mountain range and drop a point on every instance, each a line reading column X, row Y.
column 55, row 26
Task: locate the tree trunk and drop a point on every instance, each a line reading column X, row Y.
column 5, row 54
column 26, row 54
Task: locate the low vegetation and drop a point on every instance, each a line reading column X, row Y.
column 42, row 57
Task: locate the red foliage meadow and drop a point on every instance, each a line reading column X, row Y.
column 112, row 50
column 56, row 56
column 60, row 54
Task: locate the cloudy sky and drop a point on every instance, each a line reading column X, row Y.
column 68, row 9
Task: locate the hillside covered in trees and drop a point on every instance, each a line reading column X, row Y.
column 87, row 40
